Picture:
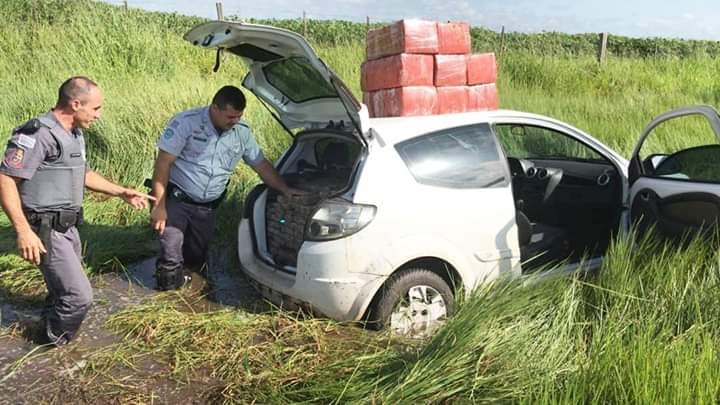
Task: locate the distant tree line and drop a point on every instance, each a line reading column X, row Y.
column 336, row 32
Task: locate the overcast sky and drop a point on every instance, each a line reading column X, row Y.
column 695, row 19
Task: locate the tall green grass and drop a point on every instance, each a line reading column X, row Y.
column 643, row 329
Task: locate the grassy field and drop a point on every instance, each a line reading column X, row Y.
column 646, row 331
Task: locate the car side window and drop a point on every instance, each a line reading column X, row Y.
column 533, row 142
column 463, row 157
column 682, row 148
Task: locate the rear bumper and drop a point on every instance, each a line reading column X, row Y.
column 322, row 281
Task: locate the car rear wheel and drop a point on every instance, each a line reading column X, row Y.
column 413, row 302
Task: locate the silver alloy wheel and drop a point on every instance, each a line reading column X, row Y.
column 419, row 313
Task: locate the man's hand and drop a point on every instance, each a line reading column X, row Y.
column 30, row 246
column 135, row 198
column 158, row 216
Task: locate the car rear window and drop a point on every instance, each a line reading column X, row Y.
column 298, row 80
column 463, row 157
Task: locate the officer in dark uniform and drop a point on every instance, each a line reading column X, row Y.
column 198, row 151
column 42, row 180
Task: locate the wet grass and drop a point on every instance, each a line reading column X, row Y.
column 644, row 329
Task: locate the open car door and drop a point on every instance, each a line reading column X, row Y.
column 674, row 173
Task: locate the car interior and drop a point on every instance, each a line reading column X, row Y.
column 325, row 157
column 567, row 196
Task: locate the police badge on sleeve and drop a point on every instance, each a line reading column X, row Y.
column 14, row 158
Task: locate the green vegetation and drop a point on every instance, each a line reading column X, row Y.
column 644, row 331
column 543, row 44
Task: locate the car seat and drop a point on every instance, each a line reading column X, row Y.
column 540, row 244
column 335, row 157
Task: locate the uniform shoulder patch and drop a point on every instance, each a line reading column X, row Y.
column 26, row 141
column 14, row 158
column 168, row 134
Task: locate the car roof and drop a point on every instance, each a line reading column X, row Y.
column 398, row 129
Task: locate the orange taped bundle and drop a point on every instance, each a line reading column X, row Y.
column 404, row 36
column 482, row 97
column 453, row 38
column 481, row 69
column 452, row 99
column 417, row 67
column 402, row 101
column 450, row 70
column 397, row 71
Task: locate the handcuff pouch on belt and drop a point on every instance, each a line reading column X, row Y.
column 59, row 221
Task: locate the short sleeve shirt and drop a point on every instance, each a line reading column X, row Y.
column 26, row 151
column 206, row 159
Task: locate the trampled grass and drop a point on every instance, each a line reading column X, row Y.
column 644, row 329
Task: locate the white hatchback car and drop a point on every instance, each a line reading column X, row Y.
column 404, row 213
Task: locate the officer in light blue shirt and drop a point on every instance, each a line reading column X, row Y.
column 198, row 151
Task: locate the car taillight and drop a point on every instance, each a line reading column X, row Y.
column 336, row 219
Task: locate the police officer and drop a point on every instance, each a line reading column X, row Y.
column 42, row 180
column 198, row 151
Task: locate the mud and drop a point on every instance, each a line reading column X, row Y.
column 35, row 374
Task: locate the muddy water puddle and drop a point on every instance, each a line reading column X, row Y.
column 30, row 373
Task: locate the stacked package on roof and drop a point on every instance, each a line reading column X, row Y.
column 404, row 36
column 417, row 67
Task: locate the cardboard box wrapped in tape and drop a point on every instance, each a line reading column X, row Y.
column 398, row 80
column 404, row 36
column 287, row 217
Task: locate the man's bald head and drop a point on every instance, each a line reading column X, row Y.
column 79, row 102
column 74, row 88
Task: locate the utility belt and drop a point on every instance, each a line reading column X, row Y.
column 58, row 220
column 178, row 194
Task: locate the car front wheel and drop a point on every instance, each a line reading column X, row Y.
column 413, row 302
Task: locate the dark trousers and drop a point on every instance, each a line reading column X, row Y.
column 188, row 233
column 69, row 292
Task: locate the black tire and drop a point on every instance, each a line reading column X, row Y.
column 395, row 291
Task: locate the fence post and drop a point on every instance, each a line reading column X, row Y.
column 125, row 4
column 219, row 8
column 304, row 24
column 602, row 46
column 502, row 44
column 367, row 23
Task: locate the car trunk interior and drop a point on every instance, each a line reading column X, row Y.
column 321, row 163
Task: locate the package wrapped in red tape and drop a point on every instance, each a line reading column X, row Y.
column 450, row 70
column 402, row 101
column 397, row 71
column 482, row 97
column 452, row 99
column 481, row 69
column 368, row 103
column 404, row 36
column 453, row 38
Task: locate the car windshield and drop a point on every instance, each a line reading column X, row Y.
column 532, row 142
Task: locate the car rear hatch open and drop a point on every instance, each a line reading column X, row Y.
column 286, row 74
